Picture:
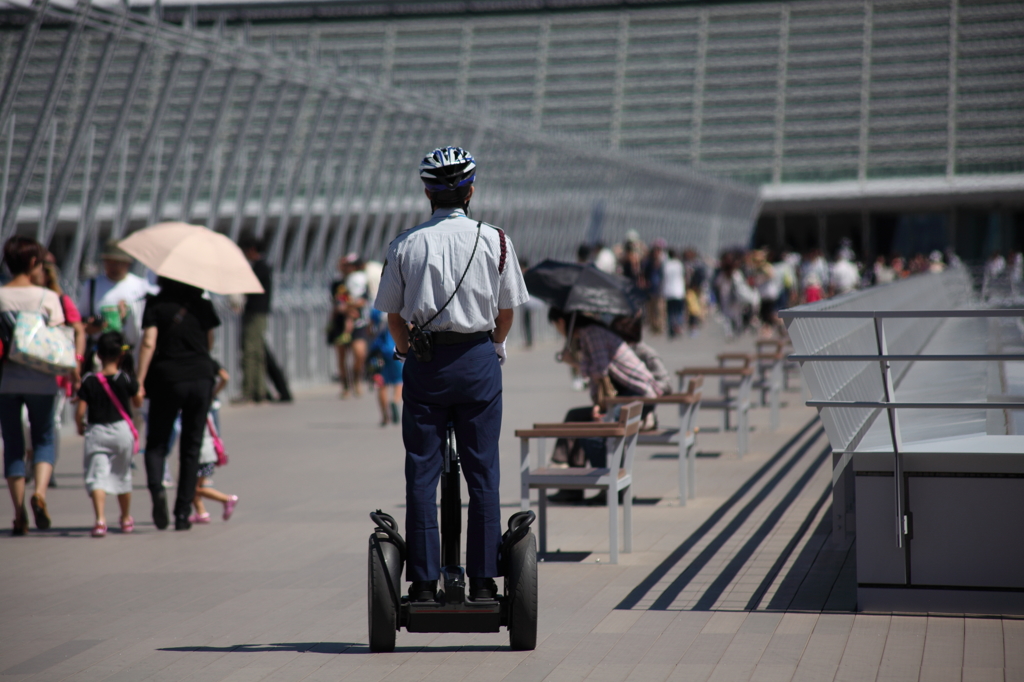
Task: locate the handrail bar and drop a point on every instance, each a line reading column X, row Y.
column 1015, row 357
column 899, row 314
column 917, row 406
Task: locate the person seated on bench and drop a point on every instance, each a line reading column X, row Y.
column 656, row 366
column 613, row 368
column 630, row 330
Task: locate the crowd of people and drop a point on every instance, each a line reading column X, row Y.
column 362, row 340
column 145, row 365
column 142, row 363
column 746, row 288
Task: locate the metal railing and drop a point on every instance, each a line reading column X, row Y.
column 845, row 326
column 854, row 359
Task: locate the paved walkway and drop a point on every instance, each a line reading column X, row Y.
column 741, row 583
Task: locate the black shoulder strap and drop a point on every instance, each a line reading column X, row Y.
column 92, row 297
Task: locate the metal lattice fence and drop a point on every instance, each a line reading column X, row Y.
column 111, row 120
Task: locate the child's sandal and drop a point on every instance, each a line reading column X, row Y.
column 229, row 506
column 99, row 530
column 200, row 518
column 127, row 525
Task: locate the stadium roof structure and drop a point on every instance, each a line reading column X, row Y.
column 110, row 120
column 801, row 95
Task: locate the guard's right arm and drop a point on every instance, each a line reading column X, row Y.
column 399, row 332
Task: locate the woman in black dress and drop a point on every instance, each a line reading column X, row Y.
column 176, row 372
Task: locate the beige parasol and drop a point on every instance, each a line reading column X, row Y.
column 194, row 255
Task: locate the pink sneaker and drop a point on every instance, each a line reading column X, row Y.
column 99, row 530
column 200, row 518
column 229, row 506
column 127, row 525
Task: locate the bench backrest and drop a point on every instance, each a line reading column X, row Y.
column 629, row 418
column 689, row 416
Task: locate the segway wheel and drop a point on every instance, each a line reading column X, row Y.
column 521, row 588
column 383, row 612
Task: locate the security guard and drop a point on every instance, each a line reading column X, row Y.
column 449, row 286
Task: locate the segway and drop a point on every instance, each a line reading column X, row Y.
column 452, row 610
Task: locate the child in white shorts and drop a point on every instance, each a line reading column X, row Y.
column 208, row 459
column 110, row 437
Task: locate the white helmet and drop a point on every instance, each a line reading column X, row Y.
column 447, row 168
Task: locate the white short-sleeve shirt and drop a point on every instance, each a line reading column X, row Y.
column 424, row 266
column 132, row 290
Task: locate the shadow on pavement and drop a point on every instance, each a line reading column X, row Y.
column 563, row 557
column 317, row 648
column 299, row 647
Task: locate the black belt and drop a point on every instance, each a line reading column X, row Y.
column 455, row 338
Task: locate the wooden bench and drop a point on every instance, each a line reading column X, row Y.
column 617, row 476
column 685, row 435
column 744, row 374
column 768, row 362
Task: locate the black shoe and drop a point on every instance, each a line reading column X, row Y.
column 566, row 496
column 395, row 416
column 482, row 589
column 40, row 512
column 161, row 518
column 182, row 523
column 423, row 590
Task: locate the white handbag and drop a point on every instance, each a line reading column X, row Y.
column 50, row 350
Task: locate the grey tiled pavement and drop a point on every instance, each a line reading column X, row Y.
column 279, row 592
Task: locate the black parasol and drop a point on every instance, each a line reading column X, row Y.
column 583, row 288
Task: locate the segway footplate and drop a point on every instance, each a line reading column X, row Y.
column 468, row 616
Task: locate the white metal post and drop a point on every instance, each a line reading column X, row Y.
column 865, row 92
column 889, row 391
column 44, row 204
column 150, row 138
column 7, row 163
column 237, row 149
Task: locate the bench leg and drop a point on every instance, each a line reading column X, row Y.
column 775, row 407
column 613, row 524
column 542, row 519
column 691, row 455
column 684, row 467
column 776, row 378
column 627, row 520
column 743, row 429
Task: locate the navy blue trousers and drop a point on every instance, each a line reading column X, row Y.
column 460, row 385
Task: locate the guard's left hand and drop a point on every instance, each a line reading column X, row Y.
column 499, row 348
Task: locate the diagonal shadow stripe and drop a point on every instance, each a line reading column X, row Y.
column 666, row 598
column 52, row 657
column 773, row 572
column 802, row 566
column 662, row 569
column 735, row 565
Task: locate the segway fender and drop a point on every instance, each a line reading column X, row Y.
column 384, row 597
column 389, row 546
column 391, row 557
